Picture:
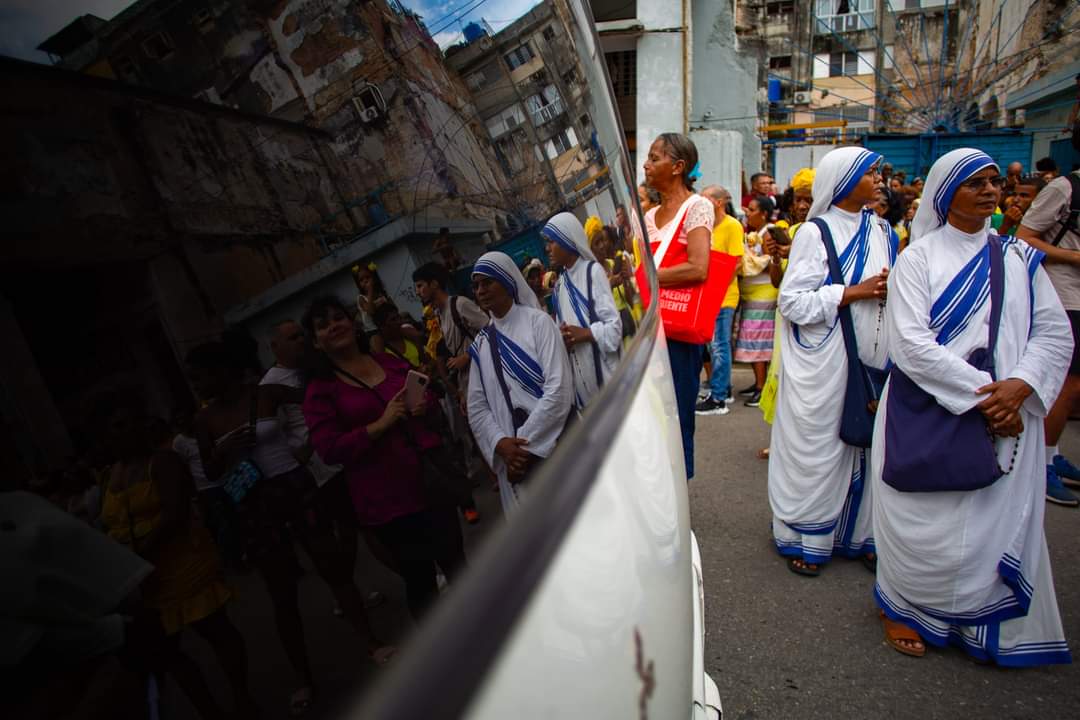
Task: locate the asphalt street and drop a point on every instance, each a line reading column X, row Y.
column 784, row 646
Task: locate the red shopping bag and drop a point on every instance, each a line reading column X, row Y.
column 688, row 311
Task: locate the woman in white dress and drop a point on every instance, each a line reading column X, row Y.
column 817, row 486
column 584, row 307
column 969, row 567
column 520, row 387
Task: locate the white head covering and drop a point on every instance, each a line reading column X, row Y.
column 500, row 267
column 837, row 175
column 944, row 178
column 566, row 231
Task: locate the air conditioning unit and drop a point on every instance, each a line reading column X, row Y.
column 802, row 97
column 367, row 114
column 368, row 102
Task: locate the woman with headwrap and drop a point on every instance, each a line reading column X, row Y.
column 970, row 567
column 802, row 197
column 520, row 387
column 584, row 307
column 816, row 486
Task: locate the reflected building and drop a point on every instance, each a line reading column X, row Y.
column 191, row 165
column 528, row 87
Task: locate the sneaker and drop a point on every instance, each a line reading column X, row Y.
column 472, row 515
column 747, row 391
column 754, row 400
column 1056, row 492
column 730, row 397
column 708, row 406
column 704, row 392
column 1069, row 473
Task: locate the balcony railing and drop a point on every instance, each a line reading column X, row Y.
column 548, row 113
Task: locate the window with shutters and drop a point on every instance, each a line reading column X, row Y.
column 519, row 56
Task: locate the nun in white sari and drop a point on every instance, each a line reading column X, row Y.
column 817, row 486
column 584, row 307
column 520, row 396
column 970, row 568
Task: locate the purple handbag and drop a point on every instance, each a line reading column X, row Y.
column 928, row 448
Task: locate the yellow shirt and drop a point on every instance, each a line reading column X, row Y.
column 727, row 237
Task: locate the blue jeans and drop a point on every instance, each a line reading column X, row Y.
column 686, row 361
column 720, row 380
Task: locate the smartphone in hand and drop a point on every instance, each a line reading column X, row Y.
column 416, row 384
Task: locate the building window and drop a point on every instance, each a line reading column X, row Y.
column 545, row 105
column 158, row 46
column 787, row 7
column 570, row 77
column 484, row 76
column 505, row 121
column 562, row 142
column 855, row 115
column 622, row 67
column 844, row 15
column 519, row 56
column 780, row 62
column 549, row 33
column 843, row 63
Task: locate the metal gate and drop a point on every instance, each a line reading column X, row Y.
column 914, row 154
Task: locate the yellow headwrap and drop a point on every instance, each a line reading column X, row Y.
column 803, row 181
column 592, row 226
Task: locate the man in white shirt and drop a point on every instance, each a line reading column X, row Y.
column 1050, row 227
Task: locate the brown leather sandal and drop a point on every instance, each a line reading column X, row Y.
column 897, row 633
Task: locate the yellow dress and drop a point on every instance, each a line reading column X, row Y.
column 772, row 380
column 187, row 584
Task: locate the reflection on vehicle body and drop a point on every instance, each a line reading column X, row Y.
column 589, row 601
column 350, row 163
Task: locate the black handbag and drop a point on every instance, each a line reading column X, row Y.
column 864, row 384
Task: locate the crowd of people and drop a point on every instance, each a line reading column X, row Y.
column 375, row 426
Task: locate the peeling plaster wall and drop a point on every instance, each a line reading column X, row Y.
column 724, row 98
column 722, row 82
column 659, row 90
column 221, row 204
column 305, row 60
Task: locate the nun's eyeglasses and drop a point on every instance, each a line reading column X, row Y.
column 976, row 185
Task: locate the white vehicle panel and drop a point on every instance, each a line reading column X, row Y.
column 609, row 626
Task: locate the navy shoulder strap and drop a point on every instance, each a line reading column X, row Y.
column 997, row 295
column 592, row 319
column 496, row 361
column 847, row 327
column 1071, row 222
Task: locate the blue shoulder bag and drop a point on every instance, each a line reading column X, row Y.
column 863, row 383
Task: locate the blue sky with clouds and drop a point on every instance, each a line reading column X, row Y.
column 446, row 18
column 26, row 23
